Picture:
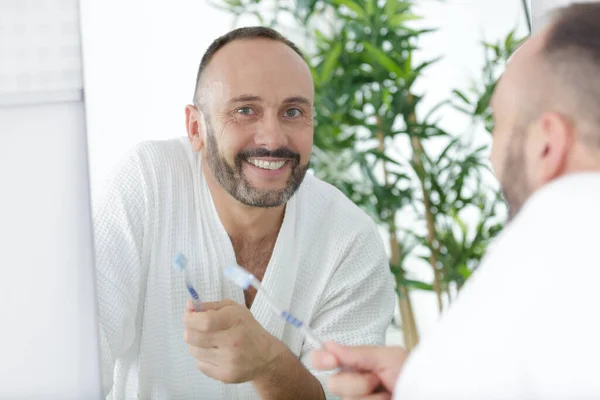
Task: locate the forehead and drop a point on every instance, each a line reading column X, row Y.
column 259, row 67
column 498, row 101
column 517, row 80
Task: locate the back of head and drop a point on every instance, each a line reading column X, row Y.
column 571, row 51
column 546, row 105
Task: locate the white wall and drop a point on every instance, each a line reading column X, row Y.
column 541, row 10
column 141, row 58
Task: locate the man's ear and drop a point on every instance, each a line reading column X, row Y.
column 196, row 127
column 556, row 136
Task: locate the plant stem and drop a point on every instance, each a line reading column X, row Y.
column 409, row 325
column 418, row 150
column 407, row 316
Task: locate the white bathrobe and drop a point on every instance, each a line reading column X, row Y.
column 527, row 324
column 329, row 268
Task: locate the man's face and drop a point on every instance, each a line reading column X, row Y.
column 258, row 110
column 510, row 139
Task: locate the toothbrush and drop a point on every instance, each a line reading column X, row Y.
column 245, row 279
column 180, row 263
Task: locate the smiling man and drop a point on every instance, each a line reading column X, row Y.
column 236, row 189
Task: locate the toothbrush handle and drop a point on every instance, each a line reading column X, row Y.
column 197, row 305
column 310, row 336
column 195, row 298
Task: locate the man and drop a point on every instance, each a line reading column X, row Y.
column 526, row 324
column 234, row 190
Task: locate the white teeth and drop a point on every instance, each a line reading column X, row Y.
column 272, row 165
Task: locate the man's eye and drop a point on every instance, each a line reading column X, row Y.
column 293, row 113
column 245, row 111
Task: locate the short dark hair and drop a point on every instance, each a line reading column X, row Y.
column 245, row 33
column 576, row 27
column 572, row 51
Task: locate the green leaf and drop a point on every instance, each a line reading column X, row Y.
column 370, row 7
column 450, row 145
column 461, row 95
column 494, row 48
column 390, row 8
column 380, row 155
column 232, row 8
column 464, row 271
column 408, row 69
column 383, row 59
column 352, row 6
column 306, row 7
column 508, row 42
column 415, row 284
column 484, row 102
column 426, row 64
column 331, row 62
column 399, row 19
column 394, row 7
column 399, row 176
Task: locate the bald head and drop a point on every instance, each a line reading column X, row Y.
column 244, row 35
column 524, row 84
column 258, row 67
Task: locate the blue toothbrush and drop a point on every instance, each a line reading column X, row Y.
column 180, row 263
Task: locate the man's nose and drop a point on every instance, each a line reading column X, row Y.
column 270, row 133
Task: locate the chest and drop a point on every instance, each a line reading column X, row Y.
column 255, row 258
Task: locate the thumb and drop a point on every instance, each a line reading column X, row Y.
column 213, row 305
column 324, row 360
column 365, row 358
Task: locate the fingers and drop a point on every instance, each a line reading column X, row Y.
column 353, row 384
column 366, row 358
column 323, row 360
column 212, row 305
column 221, row 374
column 214, row 319
column 204, row 322
column 200, row 339
column 206, row 355
column 376, row 396
column 189, row 305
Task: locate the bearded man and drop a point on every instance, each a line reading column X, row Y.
column 235, row 190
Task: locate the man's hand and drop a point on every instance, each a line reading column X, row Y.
column 229, row 344
column 368, row 372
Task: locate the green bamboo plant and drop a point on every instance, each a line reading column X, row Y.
column 373, row 140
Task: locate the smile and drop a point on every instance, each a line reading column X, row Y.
column 269, row 165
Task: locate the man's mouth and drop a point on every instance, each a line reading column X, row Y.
column 266, row 164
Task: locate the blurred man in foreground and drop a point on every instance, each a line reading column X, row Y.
column 526, row 325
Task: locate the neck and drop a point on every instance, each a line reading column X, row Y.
column 243, row 222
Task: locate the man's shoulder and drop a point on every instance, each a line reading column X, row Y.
column 330, row 207
column 155, row 160
column 157, row 153
column 148, row 166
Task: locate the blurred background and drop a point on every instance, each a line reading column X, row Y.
column 402, row 119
